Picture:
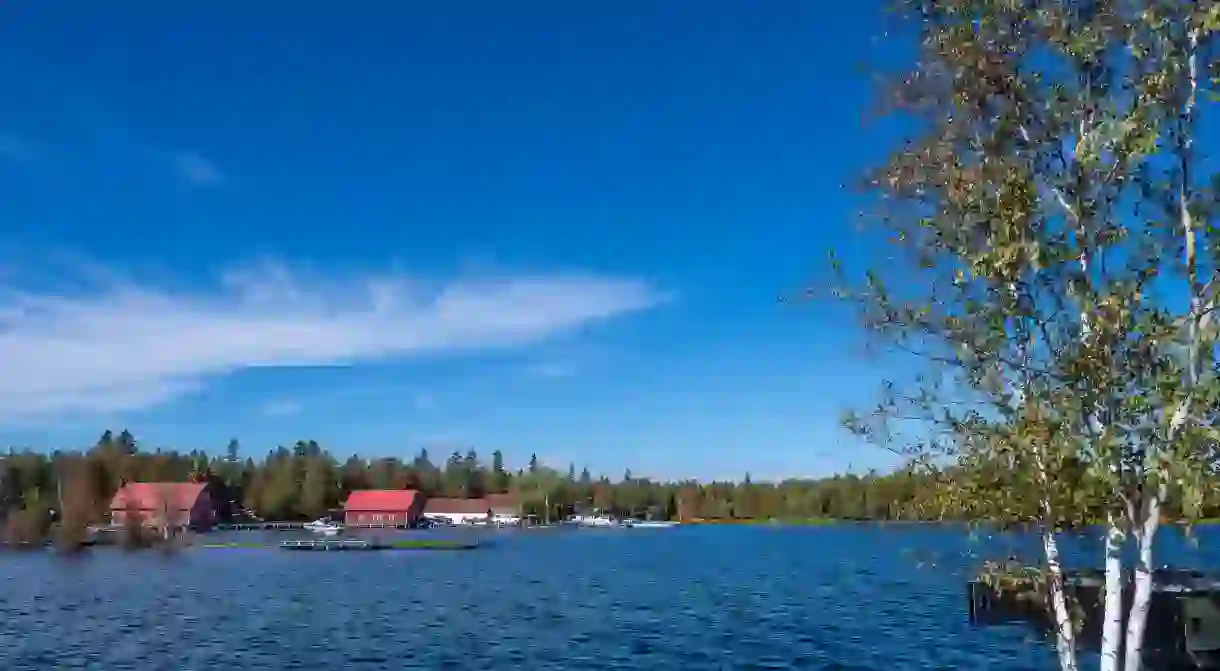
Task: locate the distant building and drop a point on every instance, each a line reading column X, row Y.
column 458, row 511
column 391, row 507
column 172, row 505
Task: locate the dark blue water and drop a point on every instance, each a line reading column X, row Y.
column 843, row 597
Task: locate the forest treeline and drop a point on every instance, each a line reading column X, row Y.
column 305, row 481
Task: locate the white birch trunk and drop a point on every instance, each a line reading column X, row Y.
column 1137, row 619
column 1065, row 635
column 1146, row 526
column 1112, row 625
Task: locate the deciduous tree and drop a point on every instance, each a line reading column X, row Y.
column 1054, row 214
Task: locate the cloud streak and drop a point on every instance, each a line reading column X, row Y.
column 18, row 148
column 119, row 344
column 550, row 370
column 281, row 408
column 196, row 169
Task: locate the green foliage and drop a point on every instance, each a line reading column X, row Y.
column 306, row 482
column 1054, row 260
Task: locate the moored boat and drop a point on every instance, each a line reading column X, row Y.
column 649, row 524
column 595, row 521
column 323, row 526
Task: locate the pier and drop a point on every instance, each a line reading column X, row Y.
column 356, row 544
column 1183, row 619
column 297, row 526
column 260, row 526
column 328, row 544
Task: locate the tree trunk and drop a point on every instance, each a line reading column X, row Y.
column 1137, row 619
column 1065, row 636
column 1112, row 627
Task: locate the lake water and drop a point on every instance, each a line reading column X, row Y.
column 857, row 597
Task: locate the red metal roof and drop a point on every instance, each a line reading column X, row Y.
column 381, row 500
column 157, row 495
column 456, row 506
column 505, row 502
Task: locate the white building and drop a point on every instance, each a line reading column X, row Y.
column 458, row 511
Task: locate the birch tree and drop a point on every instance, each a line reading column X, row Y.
column 1054, row 261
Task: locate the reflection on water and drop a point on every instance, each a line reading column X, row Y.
column 849, row 597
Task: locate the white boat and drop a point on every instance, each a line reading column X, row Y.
column 649, row 524
column 599, row 521
column 323, row 526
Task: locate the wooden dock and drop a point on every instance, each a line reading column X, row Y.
column 348, row 544
column 328, row 544
column 1183, row 621
column 296, row 526
column 261, row 526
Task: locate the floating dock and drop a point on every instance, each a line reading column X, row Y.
column 296, row 526
column 329, row 544
column 356, row 544
column 260, row 526
column 1183, row 619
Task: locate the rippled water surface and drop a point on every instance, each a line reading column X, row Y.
column 842, row 597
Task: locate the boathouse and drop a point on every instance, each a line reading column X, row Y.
column 171, row 505
column 389, row 507
column 458, row 511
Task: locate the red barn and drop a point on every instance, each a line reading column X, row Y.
column 391, row 507
column 173, row 504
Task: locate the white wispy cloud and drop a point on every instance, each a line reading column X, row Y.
column 196, row 169
column 424, row 401
column 550, row 369
column 281, row 407
column 18, row 148
column 122, row 344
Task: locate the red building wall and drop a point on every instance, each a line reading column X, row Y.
column 383, row 507
column 154, row 504
column 378, row 517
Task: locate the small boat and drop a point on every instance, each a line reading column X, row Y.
column 506, row 520
column 323, row 526
column 599, row 521
column 649, row 524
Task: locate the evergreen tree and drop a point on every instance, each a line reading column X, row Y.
column 126, row 443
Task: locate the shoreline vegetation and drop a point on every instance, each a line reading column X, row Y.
column 56, row 496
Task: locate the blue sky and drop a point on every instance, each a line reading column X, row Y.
column 545, row 227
